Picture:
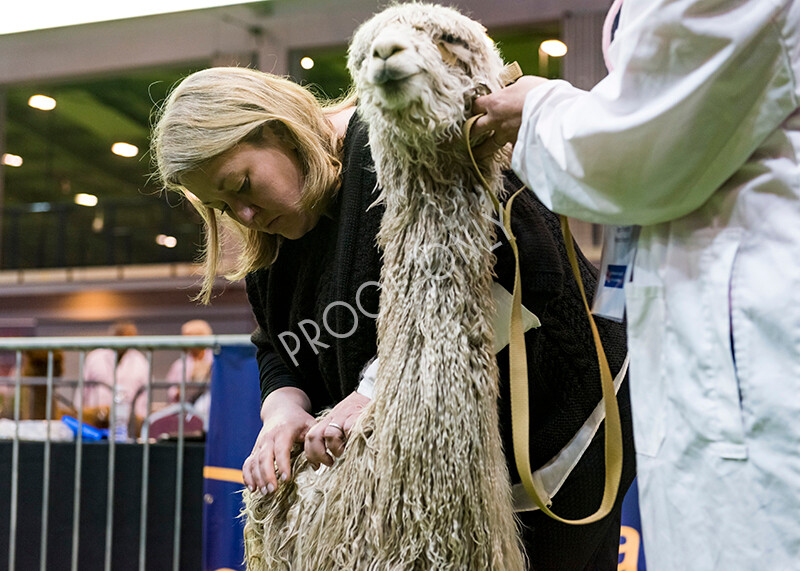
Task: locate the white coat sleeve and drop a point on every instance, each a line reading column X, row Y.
column 696, row 85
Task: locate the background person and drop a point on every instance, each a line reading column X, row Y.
column 295, row 180
column 198, row 369
column 695, row 135
column 33, row 397
column 198, row 359
column 35, row 364
column 132, row 373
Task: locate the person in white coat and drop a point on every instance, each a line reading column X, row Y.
column 132, row 372
column 695, row 136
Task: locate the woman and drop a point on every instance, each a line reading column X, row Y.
column 296, row 182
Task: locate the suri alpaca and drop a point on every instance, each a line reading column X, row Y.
column 423, row 482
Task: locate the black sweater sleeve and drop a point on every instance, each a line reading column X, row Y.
column 273, row 373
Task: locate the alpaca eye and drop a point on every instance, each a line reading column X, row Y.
column 452, row 39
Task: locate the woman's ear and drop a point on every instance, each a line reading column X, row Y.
column 277, row 130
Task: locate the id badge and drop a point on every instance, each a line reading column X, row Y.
column 616, row 266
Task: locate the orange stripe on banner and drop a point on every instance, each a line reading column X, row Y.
column 224, row 474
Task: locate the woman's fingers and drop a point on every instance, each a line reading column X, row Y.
column 328, row 438
column 270, row 462
column 286, row 421
column 265, row 470
column 247, row 473
column 335, row 438
column 283, row 458
column 258, row 470
column 325, row 441
column 315, row 446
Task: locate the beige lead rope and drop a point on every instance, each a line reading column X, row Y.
column 518, row 367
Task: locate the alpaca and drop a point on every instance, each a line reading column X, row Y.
column 423, row 482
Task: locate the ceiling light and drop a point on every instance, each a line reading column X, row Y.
column 85, row 199
column 306, row 63
column 125, row 149
column 553, row 48
column 42, row 102
column 166, row 241
column 12, row 160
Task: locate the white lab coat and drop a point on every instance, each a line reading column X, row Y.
column 695, row 135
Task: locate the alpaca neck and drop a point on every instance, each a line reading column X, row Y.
column 437, row 260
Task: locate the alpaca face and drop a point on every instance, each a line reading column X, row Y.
column 395, row 65
column 423, row 59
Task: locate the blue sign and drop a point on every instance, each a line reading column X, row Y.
column 615, row 276
column 234, row 423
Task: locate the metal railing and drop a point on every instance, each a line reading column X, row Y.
column 84, row 344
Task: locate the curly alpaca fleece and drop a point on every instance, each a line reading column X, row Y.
column 423, row 482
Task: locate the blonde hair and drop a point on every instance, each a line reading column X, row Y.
column 213, row 110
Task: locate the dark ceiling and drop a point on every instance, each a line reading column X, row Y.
column 68, row 150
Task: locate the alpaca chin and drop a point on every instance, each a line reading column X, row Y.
column 397, row 94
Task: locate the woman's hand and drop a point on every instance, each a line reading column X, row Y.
column 330, row 433
column 502, row 114
column 286, row 422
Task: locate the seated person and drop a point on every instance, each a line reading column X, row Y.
column 198, row 369
column 132, row 372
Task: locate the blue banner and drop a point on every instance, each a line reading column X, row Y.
column 234, row 423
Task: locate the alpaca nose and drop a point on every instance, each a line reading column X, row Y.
column 385, row 47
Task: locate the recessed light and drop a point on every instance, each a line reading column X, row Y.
column 125, row 149
column 166, row 241
column 306, row 63
column 12, row 160
column 42, row 102
column 85, row 199
column 553, row 48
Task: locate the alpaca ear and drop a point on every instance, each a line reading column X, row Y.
column 454, row 53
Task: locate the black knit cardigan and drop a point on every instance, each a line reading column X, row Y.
column 308, row 297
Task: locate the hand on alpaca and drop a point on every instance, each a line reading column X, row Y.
column 286, row 422
column 502, row 114
column 328, row 437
